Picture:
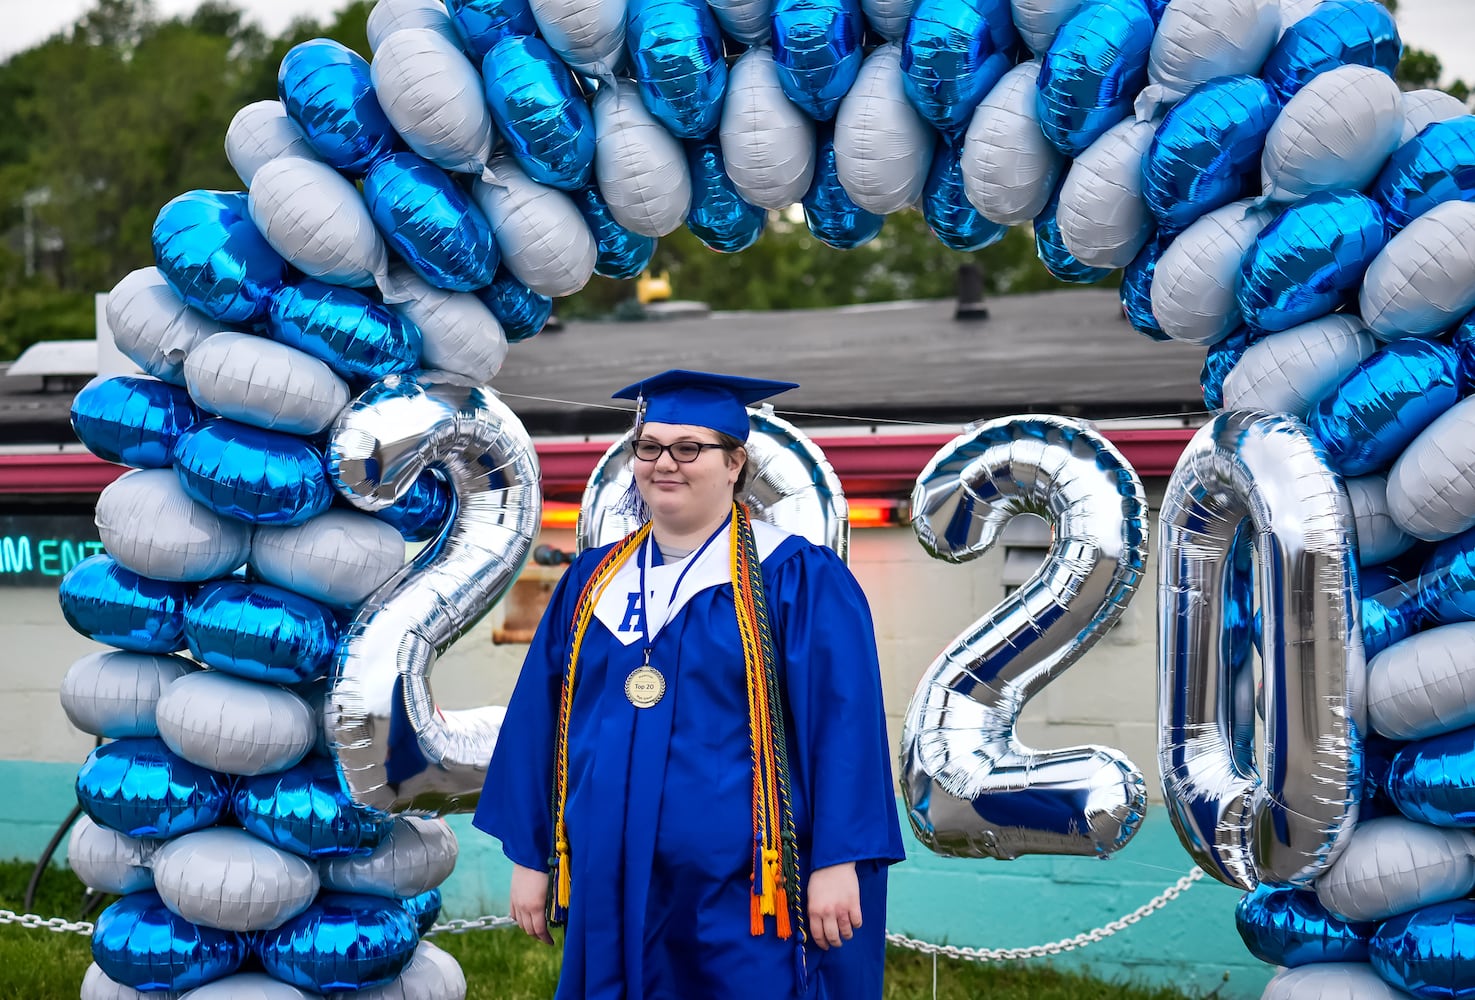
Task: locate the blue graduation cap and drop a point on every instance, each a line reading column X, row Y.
column 702, row 399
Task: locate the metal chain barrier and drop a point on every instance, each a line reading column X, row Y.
column 58, row 925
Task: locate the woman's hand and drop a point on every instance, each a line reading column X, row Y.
column 529, row 899
column 834, row 905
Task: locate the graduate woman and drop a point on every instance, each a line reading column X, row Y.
column 693, row 773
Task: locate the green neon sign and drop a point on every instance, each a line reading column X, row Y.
column 37, row 550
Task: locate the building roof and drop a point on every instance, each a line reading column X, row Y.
column 1067, row 352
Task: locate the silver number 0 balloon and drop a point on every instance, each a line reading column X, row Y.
column 972, row 789
column 1254, row 482
column 396, row 751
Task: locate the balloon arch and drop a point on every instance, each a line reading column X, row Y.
column 317, row 351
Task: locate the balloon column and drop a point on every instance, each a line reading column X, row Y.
column 1250, row 164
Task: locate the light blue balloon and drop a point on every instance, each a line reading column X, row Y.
column 260, row 632
column 211, row 254
column 1433, row 780
column 132, row 420
column 353, row 335
column 719, row 216
column 423, row 511
column 620, row 253
column 483, row 23
column 1383, row 404
column 1093, row 72
column 343, row 941
column 140, row 788
column 1218, row 363
column 1206, row 152
column 952, row 54
column 431, row 222
column 521, row 311
column 949, row 214
column 832, row 217
column 1310, row 260
column 253, row 475
column 328, row 94
column 817, row 52
column 1335, row 33
column 424, row 909
column 539, row 110
column 140, row 942
column 304, row 810
column 1136, row 289
column 677, row 61
column 1051, row 249
column 1433, row 167
column 1429, row 952
column 1290, row 927
column 115, row 606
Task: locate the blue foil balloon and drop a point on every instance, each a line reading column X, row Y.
column 424, row 909
column 1290, row 927
column 1207, row 150
column 1429, row 952
column 132, row 420
column 423, row 511
column 115, row 606
column 304, row 810
column 260, row 632
column 832, row 217
column 140, row 942
column 483, row 23
column 1093, row 72
column 343, row 941
column 1050, row 247
column 539, row 110
column 1433, row 780
column 1218, row 363
column 1390, row 614
column 620, row 253
column 353, row 335
column 1310, row 260
column 1383, row 404
column 1463, row 341
column 139, row 787
column 212, row 255
column 949, row 214
column 1335, row 33
column 328, row 93
column 1447, row 581
column 677, row 61
column 719, row 216
column 254, row 475
column 952, row 54
column 431, row 222
column 1433, row 167
column 521, row 311
column 1136, row 290
column 817, row 52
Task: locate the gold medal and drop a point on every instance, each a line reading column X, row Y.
column 645, row 686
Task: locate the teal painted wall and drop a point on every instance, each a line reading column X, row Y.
column 1191, row 943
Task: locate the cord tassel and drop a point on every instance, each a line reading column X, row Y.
column 770, row 881
column 755, row 916
column 782, row 916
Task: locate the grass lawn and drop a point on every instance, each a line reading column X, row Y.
column 504, row 965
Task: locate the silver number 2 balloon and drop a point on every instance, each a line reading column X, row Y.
column 395, row 750
column 1252, row 482
column 972, row 789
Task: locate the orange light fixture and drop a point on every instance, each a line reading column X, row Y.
column 865, row 512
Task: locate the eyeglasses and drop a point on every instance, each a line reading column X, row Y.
column 682, row 451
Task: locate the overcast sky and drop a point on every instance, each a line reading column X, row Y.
column 1444, row 27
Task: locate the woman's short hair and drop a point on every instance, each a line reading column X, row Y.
column 731, row 444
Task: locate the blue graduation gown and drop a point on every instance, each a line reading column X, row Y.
column 659, row 807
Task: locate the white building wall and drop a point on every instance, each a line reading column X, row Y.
column 919, row 605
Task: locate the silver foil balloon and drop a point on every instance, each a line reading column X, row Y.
column 1252, row 478
column 395, row 750
column 791, row 485
column 972, row 789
